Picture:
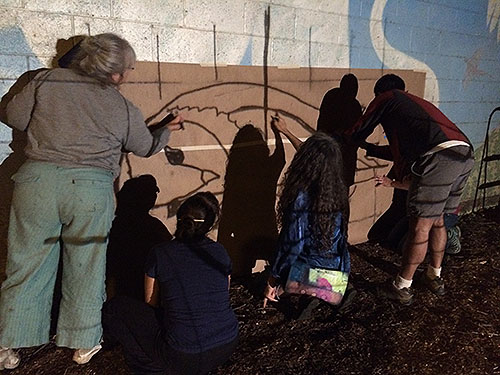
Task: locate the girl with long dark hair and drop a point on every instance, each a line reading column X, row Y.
column 312, row 256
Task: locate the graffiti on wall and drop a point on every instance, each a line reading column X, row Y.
column 230, row 149
column 396, row 59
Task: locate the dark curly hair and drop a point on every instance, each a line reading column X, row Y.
column 316, row 170
column 196, row 216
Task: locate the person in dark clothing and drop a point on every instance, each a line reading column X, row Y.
column 339, row 111
column 381, row 229
column 186, row 324
column 133, row 233
column 440, row 157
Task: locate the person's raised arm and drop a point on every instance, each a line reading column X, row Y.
column 140, row 139
column 173, row 121
column 357, row 133
column 376, row 151
column 280, row 124
column 277, row 159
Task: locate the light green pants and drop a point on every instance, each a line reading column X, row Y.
column 53, row 203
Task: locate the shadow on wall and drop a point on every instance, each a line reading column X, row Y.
column 65, row 51
column 10, row 165
column 247, row 227
column 13, row 162
column 133, row 233
column 7, row 169
column 338, row 112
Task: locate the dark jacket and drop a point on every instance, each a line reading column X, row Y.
column 413, row 126
column 297, row 243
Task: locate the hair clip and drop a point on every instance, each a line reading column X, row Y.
column 198, row 220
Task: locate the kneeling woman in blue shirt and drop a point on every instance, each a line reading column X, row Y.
column 312, row 258
column 187, row 325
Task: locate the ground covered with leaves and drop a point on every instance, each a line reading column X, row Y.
column 458, row 333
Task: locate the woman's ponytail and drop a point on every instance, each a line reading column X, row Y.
column 196, row 216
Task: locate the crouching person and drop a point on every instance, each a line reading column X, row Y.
column 312, row 258
column 187, row 325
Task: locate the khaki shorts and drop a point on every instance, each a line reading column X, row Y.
column 438, row 181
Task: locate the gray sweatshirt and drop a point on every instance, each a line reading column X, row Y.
column 72, row 120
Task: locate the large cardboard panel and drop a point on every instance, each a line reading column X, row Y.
column 217, row 102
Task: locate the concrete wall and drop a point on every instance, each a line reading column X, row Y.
column 455, row 42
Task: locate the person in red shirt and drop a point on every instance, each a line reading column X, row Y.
column 439, row 159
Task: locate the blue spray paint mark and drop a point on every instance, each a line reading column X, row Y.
column 247, row 56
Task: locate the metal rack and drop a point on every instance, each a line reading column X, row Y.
column 485, row 159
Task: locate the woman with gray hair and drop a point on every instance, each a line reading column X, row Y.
column 77, row 124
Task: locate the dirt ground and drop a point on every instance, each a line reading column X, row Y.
column 458, row 333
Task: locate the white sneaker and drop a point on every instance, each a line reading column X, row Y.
column 9, row 359
column 83, row 356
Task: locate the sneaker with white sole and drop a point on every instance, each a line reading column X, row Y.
column 83, row 356
column 9, row 359
column 404, row 296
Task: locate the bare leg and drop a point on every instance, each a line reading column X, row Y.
column 437, row 242
column 416, row 245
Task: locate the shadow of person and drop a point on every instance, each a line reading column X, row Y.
column 7, row 169
column 133, row 233
column 66, row 49
column 339, row 111
column 11, row 164
column 247, row 227
column 375, row 261
column 381, row 230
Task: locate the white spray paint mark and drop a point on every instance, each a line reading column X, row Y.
column 493, row 17
column 395, row 59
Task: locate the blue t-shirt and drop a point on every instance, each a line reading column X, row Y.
column 194, row 295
